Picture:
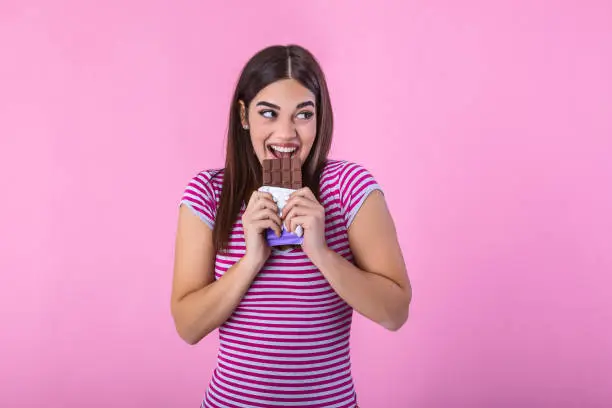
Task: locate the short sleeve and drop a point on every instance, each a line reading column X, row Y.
column 199, row 196
column 355, row 185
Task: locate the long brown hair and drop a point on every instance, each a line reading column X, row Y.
column 242, row 168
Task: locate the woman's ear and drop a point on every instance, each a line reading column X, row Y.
column 243, row 115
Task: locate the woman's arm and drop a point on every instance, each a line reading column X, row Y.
column 378, row 287
column 200, row 304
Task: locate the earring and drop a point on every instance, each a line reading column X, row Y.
column 245, row 127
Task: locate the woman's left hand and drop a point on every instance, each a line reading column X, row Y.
column 303, row 209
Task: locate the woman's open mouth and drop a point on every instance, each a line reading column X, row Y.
column 283, row 151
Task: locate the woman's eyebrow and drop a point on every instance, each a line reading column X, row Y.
column 273, row 106
column 268, row 104
column 304, row 104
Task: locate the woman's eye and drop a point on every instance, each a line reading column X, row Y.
column 305, row 115
column 268, row 113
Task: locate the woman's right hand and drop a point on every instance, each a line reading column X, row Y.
column 261, row 213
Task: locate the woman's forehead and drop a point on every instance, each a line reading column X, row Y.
column 285, row 92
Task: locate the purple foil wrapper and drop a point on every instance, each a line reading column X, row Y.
column 286, row 238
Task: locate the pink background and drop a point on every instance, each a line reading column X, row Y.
column 499, row 112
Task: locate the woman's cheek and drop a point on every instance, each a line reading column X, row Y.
column 309, row 131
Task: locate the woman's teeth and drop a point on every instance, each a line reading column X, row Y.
column 282, row 152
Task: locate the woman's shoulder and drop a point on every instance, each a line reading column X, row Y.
column 202, row 194
column 205, row 183
column 351, row 182
column 337, row 170
column 213, row 177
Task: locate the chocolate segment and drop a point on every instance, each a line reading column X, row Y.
column 285, row 173
column 267, row 172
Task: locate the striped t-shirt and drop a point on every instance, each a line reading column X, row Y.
column 287, row 342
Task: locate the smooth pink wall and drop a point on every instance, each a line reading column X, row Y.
column 499, row 114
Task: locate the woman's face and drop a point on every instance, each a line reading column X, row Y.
column 282, row 120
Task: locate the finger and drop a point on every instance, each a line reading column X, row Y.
column 258, row 196
column 298, row 202
column 296, row 212
column 304, row 192
column 286, row 219
column 262, row 225
column 263, row 195
column 303, row 200
column 302, row 220
column 264, row 203
column 265, row 214
column 261, row 201
column 252, row 199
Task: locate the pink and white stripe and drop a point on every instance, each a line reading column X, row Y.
column 287, row 343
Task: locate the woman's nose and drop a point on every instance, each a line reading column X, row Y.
column 287, row 130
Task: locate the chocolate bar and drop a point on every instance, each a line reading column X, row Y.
column 284, row 173
column 280, row 178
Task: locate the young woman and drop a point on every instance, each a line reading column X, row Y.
column 284, row 314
